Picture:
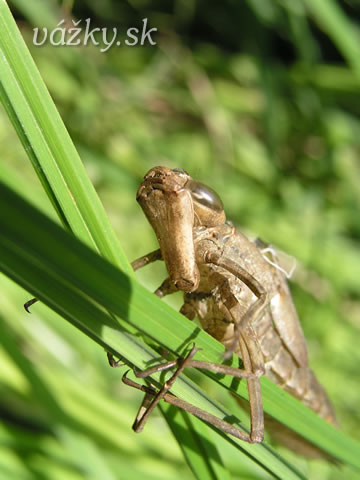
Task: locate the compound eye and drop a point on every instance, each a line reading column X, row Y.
column 204, row 195
column 181, row 171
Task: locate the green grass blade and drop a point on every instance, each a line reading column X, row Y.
column 83, row 270
column 200, row 453
column 330, row 16
column 80, row 445
column 49, row 147
column 45, row 138
column 50, row 262
column 306, row 206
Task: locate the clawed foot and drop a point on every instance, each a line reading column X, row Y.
column 153, row 396
column 112, row 362
column 28, row 304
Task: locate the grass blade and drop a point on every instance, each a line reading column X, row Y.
column 333, row 20
column 44, row 136
column 49, row 146
column 51, row 271
column 86, row 272
column 201, row 454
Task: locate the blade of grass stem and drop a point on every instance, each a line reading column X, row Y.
column 330, row 16
column 73, row 266
column 49, row 146
column 200, row 452
column 35, row 271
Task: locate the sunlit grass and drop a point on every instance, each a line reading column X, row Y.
column 280, row 146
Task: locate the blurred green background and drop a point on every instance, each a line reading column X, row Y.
column 259, row 99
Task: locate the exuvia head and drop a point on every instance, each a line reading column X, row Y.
column 207, row 205
column 174, row 203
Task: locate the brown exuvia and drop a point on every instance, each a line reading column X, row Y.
column 240, row 297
